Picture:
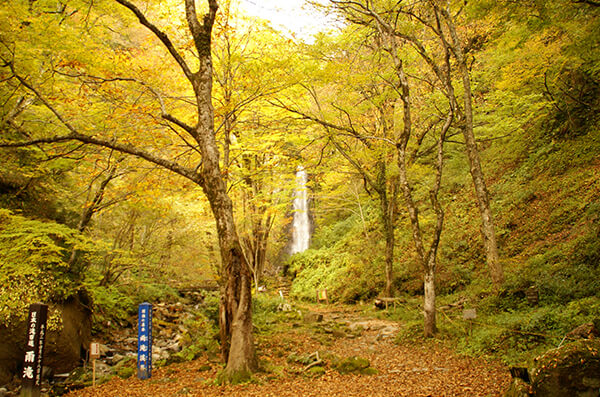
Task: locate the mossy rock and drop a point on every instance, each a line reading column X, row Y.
column 315, row 372
column 125, row 372
column 518, row 388
column 572, row 370
column 354, row 365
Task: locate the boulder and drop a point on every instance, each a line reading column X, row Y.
column 65, row 348
column 584, row 331
column 572, row 370
column 312, row 317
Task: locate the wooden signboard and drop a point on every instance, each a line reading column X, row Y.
column 31, row 378
column 322, row 296
column 469, row 314
column 94, row 350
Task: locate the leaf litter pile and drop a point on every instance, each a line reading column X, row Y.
column 308, row 360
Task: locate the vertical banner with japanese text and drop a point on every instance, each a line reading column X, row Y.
column 31, row 378
column 144, row 361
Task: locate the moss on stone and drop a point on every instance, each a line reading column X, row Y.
column 572, row 370
column 315, row 372
column 352, row 365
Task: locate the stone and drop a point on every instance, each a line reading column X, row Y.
column 102, row 369
column 584, row 331
column 104, row 350
column 388, row 332
column 518, row 388
column 175, row 347
column 571, row 370
column 115, row 359
column 312, row 317
column 353, row 365
column 64, row 347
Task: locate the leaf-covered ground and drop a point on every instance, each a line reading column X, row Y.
column 425, row 369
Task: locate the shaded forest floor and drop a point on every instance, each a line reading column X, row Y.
column 423, row 369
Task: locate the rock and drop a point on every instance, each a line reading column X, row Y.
column 584, row 331
column 388, row 332
column 104, row 350
column 65, row 347
column 312, row 317
column 354, row 365
column 174, row 347
column 102, row 369
column 316, row 371
column 572, row 370
column 116, row 358
column 518, row 388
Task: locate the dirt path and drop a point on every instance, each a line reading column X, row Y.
column 417, row 370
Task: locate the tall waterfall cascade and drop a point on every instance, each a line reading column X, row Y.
column 301, row 221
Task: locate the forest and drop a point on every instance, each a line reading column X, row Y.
column 451, row 151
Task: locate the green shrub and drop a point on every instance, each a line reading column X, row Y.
column 34, row 264
column 111, row 303
column 201, row 337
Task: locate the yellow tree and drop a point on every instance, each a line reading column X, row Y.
column 431, row 29
column 184, row 145
column 250, row 64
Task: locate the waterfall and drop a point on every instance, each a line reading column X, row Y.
column 301, row 223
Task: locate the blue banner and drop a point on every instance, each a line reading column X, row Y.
column 144, row 360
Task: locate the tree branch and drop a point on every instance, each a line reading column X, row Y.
column 162, row 36
column 75, row 135
column 201, row 33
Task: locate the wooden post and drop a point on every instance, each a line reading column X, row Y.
column 94, row 354
column 469, row 315
column 31, row 378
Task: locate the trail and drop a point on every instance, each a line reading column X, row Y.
column 424, row 369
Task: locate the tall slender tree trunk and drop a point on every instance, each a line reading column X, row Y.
column 388, row 231
column 387, row 201
column 235, row 319
column 430, row 327
column 481, row 191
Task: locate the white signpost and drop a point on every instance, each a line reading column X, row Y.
column 94, row 354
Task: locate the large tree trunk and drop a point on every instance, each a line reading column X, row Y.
column 235, row 320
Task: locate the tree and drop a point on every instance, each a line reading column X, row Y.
column 249, row 64
column 398, row 20
column 355, row 111
column 235, row 309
